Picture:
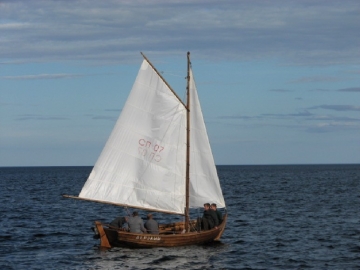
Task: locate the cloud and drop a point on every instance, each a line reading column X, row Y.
column 320, row 90
column 27, row 117
column 280, row 90
column 242, row 117
column 42, row 77
column 269, row 116
column 299, row 32
column 300, row 114
column 101, row 117
column 304, row 120
column 310, row 123
column 350, row 89
column 113, row 110
column 353, row 71
column 353, row 89
column 331, row 127
column 338, row 107
column 106, row 117
column 315, row 79
column 333, row 118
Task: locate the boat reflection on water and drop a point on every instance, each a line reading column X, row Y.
column 187, row 257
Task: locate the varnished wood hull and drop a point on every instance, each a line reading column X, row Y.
column 170, row 236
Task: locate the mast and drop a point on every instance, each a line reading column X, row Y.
column 187, row 217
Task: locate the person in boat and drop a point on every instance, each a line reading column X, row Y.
column 218, row 213
column 136, row 224
column 151, row 225
column 118, row 222
column 209, row 219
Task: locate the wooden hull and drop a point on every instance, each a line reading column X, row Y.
column 170, row 236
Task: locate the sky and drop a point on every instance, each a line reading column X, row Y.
column 278, row 81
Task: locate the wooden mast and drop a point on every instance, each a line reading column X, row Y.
column 187, row 216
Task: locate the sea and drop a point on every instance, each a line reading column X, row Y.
column 280, row 217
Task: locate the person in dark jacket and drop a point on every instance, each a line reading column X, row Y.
column 118, row 222
column 209, row 219
column 218, row 213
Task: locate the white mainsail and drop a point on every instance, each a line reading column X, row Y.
column 143, row 164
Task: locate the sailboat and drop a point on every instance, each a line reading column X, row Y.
column 158, row 158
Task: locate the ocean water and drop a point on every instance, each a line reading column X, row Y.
column 280, row 217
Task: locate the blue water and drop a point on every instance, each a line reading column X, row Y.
column 280, row 217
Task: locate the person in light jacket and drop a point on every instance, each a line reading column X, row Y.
column 136, row 224
column 151, row 225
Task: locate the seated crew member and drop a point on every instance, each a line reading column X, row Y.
column 136, row 224
column 151, row 225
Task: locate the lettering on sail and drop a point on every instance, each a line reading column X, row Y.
column 149, row 150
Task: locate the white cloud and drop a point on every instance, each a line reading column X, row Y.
column 301, row 32
column 333, row 126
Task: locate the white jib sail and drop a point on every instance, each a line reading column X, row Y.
column 204, row 181
column 143, row 162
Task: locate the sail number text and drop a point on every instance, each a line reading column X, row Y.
column 149, row 150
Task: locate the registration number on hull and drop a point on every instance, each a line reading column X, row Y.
column 151, row 238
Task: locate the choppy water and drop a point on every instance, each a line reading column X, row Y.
column 280, row 217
